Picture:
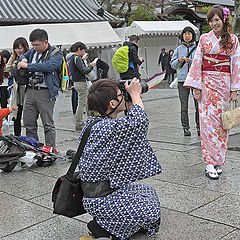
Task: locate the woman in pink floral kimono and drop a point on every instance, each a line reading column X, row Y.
column 215, row 77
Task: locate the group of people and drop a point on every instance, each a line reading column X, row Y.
column 117, row 153
column 164, row 60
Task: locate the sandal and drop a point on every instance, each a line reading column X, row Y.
column 212, row 175
column 85, row 237
column 218, row 169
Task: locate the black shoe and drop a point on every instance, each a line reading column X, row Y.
column 198, row 131
column 186, row 132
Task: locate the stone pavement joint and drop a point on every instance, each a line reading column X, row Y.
column 193, row 206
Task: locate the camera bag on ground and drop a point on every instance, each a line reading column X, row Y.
column 67, row 193
column 10, row 152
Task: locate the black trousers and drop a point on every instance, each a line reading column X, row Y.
column 4, row 96
column 17, row 121
column 184, row 96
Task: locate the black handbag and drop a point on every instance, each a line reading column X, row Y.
column 67, row 194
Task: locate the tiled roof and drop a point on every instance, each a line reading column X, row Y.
column 228, row 3
column 52, row 11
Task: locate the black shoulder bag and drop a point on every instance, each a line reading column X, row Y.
column 67, row 194
column 182, row 63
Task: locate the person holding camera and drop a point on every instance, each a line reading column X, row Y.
column 43, row 85
column 118, row 154
column 134, row 60
column 79, row 70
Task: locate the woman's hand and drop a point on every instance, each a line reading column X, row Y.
column 181, row 59
column 234, row 96
column 135, row 90
column 197, row 94
column 14, row 108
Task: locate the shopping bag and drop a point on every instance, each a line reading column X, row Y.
column 174, row 83
column 231, row 118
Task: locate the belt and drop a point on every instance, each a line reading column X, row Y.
column 37, row 87
column 96, row 189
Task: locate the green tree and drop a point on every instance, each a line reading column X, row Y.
column 141, row 14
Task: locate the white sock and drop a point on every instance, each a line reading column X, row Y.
column 210, row 168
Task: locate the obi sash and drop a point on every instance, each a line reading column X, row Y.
column 216, row 62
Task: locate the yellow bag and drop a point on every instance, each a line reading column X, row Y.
column 231, row 118
column 65, row 77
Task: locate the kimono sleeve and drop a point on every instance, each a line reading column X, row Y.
column 194, row 77
column 235, row 65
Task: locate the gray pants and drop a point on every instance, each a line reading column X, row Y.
column 184, row 96
column 81, row 88
column 38, row 102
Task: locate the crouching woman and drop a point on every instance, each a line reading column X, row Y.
column 117, row 154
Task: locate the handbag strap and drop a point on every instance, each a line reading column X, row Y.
column 78, row 154
column 181, row 65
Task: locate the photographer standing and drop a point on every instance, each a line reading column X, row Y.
column 43, row 85
column 134, row 60
column 116, row 156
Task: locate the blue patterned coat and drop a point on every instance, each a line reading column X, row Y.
column 117, row 150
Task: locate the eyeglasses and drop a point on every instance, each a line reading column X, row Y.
column 35, row 45
column 120, row 95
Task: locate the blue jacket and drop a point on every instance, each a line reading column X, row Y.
column 182, row 50
column 48, row 67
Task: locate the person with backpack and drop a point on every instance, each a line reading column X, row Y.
column 181, row 61
column 127, row 60
column 79, row 70
column 43, row 86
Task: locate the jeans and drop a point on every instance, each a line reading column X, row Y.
column 183, row 97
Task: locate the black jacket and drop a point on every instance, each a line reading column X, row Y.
column 79, row 70
column 133, row 57
column 163, row 59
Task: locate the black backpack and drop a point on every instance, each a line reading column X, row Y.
column 10, row 151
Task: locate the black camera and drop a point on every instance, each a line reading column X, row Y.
column 126, row 94
column 35, row 78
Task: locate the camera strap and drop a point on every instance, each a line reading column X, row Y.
column 114, row 109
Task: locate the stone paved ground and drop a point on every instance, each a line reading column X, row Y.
column 193, row 207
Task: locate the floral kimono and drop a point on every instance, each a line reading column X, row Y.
column 216, row 73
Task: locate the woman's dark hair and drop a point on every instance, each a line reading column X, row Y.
column 100, row 94
column 2, row 67
column 188, row 29
column 78, row 45
column 6, row 54
column 20, row 42
column 226, row 42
